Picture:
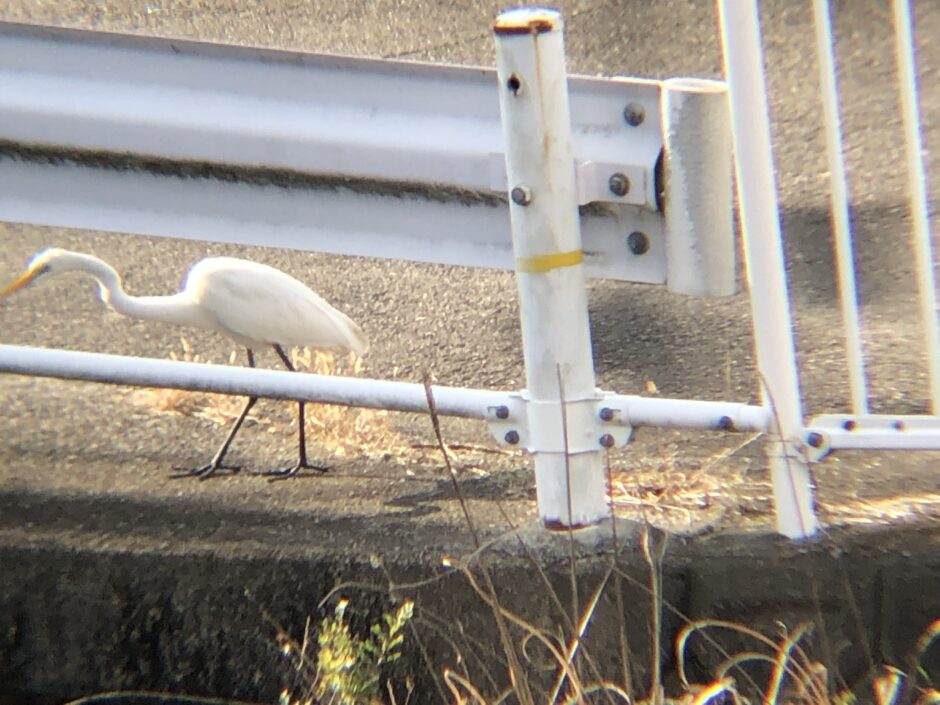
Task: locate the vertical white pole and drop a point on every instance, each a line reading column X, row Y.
column 848, row 296
column 763, row 246
column 533, row 97
column 917, row 179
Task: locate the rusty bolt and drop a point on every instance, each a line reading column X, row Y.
column 502, row 412
column 725, row 423
column 849, row 425
column 814, row 439
column 619, row 184
column 511, row 437
column 638, row 243
column 514, row 84
column 634, row 114
column 607, row 414
column 521, row 196
column 607, row 440
column 898, row 426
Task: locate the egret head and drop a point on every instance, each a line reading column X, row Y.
column 52, row 260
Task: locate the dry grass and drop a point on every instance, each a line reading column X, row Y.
column 677, row 494
column 218, row 408
column 344, row 430
column 341, row 431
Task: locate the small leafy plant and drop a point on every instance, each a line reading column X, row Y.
column 347, row 670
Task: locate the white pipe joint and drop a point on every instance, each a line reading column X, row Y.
column 698, row 206
column 533, row 96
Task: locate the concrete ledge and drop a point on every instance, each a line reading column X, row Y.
column 98, row 594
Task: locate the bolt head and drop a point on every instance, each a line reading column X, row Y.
column 619, row 184
column 607, row 414
column 814, row 439
column 511, row 437
column 521, row 195
column 638, row 243
column 502, row 412
column 634, row 114
column 607, row 440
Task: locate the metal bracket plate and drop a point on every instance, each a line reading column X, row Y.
column 604, row 427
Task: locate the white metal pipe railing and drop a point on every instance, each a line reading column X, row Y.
column 690, row 414
column 923, row 250
column 776, row 354
column 350, row 391
column 845, row 263
column 247, row 381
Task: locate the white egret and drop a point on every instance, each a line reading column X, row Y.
column 254, row 304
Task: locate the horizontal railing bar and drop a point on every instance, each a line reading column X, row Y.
column 245, row 381
column 690, row 414
column 872, row 439
column 351, row 391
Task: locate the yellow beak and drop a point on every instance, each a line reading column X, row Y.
column 21, row 281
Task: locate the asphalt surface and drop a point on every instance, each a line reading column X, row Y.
column 461, row 325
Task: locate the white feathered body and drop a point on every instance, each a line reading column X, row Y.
column 257, row 305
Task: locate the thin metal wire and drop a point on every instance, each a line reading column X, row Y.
column 845, row 265
column 917, row 178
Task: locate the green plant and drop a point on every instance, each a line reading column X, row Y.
column 347, row 670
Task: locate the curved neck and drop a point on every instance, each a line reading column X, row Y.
column 177, row 309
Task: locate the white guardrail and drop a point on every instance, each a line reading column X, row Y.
column 345, row 155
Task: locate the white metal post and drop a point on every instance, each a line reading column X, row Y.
column 848, row 295
column 533, row 97
column 760, row 219
column 923, row 251
column 700, row 252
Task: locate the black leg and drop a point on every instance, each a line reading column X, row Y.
column 208, row 470
column 302, row 463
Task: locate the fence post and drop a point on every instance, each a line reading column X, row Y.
column 533, row 98
column 770, row 304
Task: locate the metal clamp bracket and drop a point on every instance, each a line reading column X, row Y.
column 515, row 424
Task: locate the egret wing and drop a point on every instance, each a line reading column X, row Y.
column 258, row 304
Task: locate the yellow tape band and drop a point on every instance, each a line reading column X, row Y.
column 546, row 263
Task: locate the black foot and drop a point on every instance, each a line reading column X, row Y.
column 204, row 472
column 290, row 471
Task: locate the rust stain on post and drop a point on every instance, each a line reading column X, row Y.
column 524, row 23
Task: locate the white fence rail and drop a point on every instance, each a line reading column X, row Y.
column 619, row 412
column 804, row 443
